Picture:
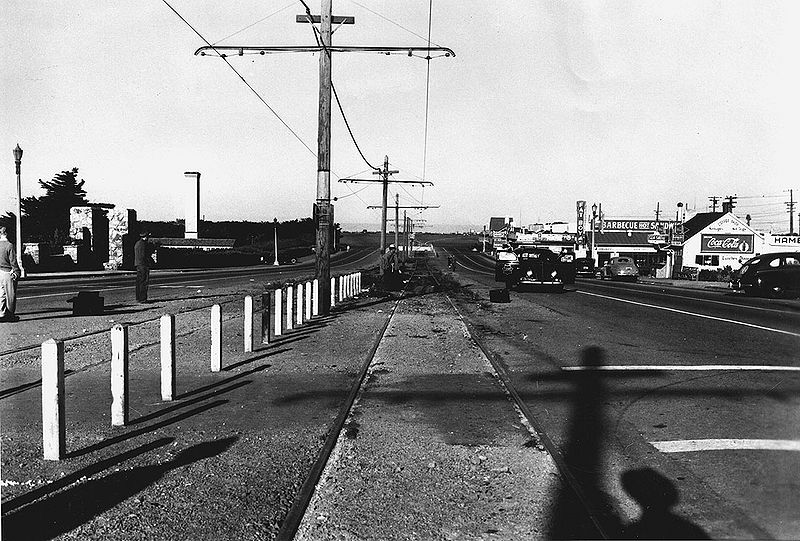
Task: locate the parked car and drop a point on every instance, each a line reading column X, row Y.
column 619, row 268
column 584, row 266
column 532, row 266
column 774, row 275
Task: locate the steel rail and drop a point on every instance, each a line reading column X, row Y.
column 294, row 517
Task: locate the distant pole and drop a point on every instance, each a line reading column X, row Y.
column 790, row 206
column 323, row 259
column 18, row 164
column 396, row 221
column 275, row 230
column 405, row 235
column 385, row 176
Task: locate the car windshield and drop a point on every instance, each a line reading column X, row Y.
column 623, row 260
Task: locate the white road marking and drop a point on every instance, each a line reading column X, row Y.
column 686, row 368
column 725, row 320
column 689, row 446
column 736, row 305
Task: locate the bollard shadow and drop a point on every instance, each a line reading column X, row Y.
column 255, row 358
column 221, row 382
column 66, row 510
column 107, row 311
column 144, row 430
column 656, row 495
column 183, row 404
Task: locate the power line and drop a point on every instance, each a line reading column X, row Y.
column 284, row 8
column 394, row 23
column 427, row 90
column 253, row 90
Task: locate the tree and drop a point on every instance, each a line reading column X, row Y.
column 46, row 219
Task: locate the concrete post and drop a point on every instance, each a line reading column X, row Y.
column 54, row 431
column 308, row 301
column 333, row 291
column 289, row 305
column 299, row 307
column 341, row 287
column 167, row 357
column 265, row 315
column 119, row 375
column 358, row 282
column 248, row 324
column 315, row 302
column 278, row 312
column 216, row 338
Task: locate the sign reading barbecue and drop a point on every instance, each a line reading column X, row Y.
column 741, row 244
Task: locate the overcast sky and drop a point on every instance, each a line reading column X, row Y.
column 628, row 103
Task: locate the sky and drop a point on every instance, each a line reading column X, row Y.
column 631, row 104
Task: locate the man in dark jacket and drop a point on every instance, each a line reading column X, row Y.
column 9, row 274
column 142, row 252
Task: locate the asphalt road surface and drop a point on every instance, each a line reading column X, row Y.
column 692, row 391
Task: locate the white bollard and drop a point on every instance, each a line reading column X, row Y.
column 54, row 430
column 299, row 306
column 333, row 291
column 315, row 294
column 308, row 301
column 248, row 324
column 167, row 357
column 349, row 286
column 358, row 282
column 278, row 312
column 341, row 287
column 216, row 338
column 265, row 317
column 119, row 375
column 289, row 305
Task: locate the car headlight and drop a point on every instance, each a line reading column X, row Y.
column 529, row 273
column 554, row 274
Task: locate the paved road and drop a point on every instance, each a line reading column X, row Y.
column 701, row 386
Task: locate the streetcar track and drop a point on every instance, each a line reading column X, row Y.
column 294, row 517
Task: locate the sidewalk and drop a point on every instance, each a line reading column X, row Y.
column 433, row 448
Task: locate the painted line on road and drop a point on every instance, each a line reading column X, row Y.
column 681, row 368
column 690, row 446
column 724, row 320
column 723, row 303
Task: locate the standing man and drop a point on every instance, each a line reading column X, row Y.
column 143, row 251
column 9, row 274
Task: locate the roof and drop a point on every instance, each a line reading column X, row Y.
column 700, row 221
column 193, row 243
column 497, row 224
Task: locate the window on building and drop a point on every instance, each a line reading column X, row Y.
column 707, row 260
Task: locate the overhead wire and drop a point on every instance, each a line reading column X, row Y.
column 427, row 91
column 284, row 8
column 253, row 90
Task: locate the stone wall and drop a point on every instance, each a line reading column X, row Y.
column 122, row 230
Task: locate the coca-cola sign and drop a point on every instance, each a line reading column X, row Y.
column 738, row 244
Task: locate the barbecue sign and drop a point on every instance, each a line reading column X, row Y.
column 741, row 244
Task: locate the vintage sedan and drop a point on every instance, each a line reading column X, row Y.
column 533, row 266
column 619, row 268
column 584, row 266
column 773, row 275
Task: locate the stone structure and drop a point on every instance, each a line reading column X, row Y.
column 192, row 205
column 122, row 230
column 88, row 229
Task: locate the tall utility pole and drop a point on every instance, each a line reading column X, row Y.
column 384, row 174
column 658, row 211
column 714, row 200
column 323, row 258
column 323, row 207
column 790, row 207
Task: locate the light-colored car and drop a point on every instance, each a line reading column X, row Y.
column 619, row 268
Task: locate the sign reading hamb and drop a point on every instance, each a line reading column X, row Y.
column 740, row 244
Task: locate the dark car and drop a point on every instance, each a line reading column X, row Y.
column 619, row 268
column 774, row 275
column 527, row 266
column 584, row 266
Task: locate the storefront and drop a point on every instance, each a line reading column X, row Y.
column 643, row 240
column 716, row 240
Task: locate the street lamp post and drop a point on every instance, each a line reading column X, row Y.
column 18, row 162
column 275, row 229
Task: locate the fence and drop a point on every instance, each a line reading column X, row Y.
column 276, row 305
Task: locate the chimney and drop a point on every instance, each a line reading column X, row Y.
column 191, row 202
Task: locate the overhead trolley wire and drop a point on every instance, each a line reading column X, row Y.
column 253, row 90
column 284, row 8
column 427, row 90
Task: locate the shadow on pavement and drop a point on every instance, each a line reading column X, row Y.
column 66, row 510
column 583, row 509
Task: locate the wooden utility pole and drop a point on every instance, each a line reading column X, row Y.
column 323, row 258
column 384, row 174
column 397, row 221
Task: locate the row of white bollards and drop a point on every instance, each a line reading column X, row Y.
column 53, row 398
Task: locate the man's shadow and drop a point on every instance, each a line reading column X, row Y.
column 584, row 510
column 66, row 510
